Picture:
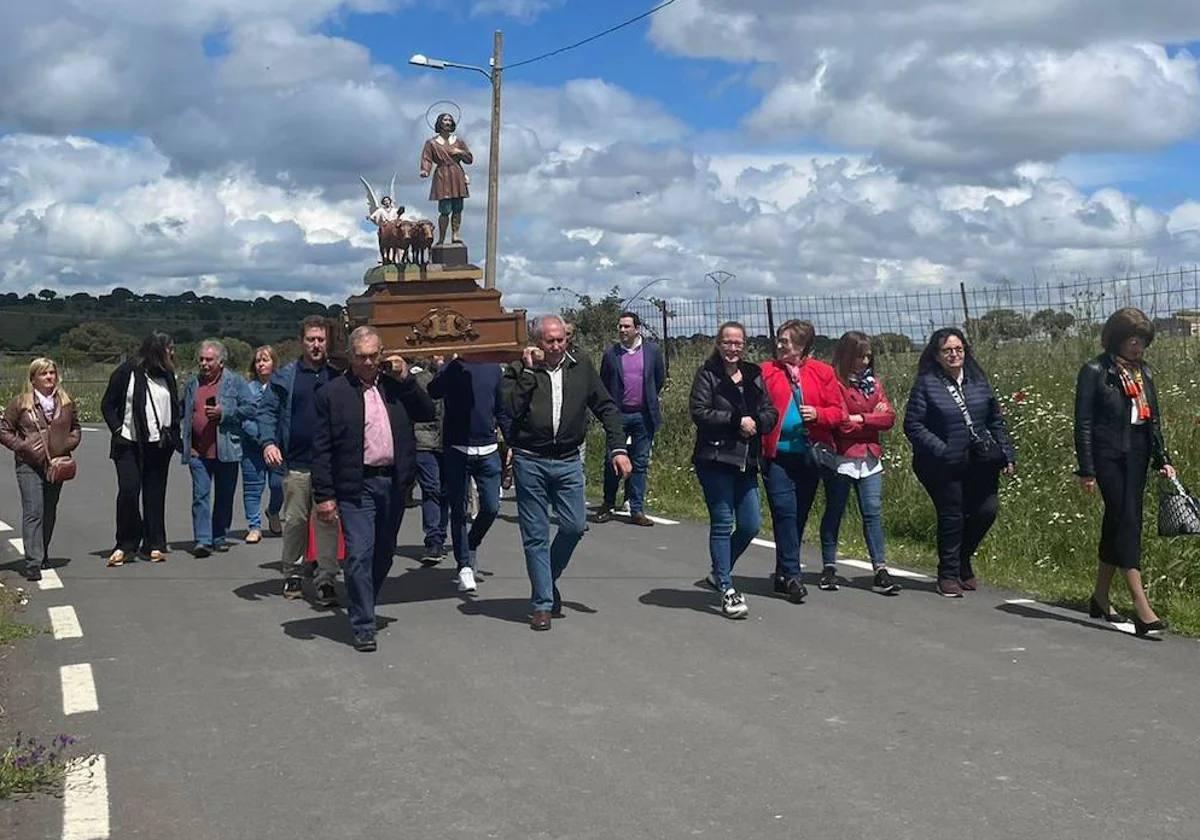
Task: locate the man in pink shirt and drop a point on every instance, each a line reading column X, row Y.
column 364, row 461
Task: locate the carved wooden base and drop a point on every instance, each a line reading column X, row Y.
column 438, row 313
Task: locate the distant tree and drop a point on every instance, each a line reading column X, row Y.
column 47, row 294
column 1051, row 323
column 596, row 320
column 121, row 295
column 999, row 325
column 81, row 297
column 240, row 354
column 95, row 341
column 891, row 343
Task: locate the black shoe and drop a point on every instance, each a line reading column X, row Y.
column 365, row 643
column 603, row 515
column 326, row 595
column 884, row 584
column 292, row 588
column 221, row 547
column 780, row 584
column 1111, row 616
column 556, row 610
column 433, row 556
column 796, row 590
column 201, row 550
column 309, row 570
column 1153, row 628
column 32, row 573
column 828, row 580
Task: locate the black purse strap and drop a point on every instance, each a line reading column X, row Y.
column 154, row 409
column 956, row 395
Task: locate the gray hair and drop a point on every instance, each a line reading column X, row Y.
column 215, row 344
column 540, row 322
column 361, row 333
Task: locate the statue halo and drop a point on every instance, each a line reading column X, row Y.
column 433, row 110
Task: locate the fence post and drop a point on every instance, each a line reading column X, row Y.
column 666, row 338
column 962, row 290
column 770, row 318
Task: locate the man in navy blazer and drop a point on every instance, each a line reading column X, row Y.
column 634, row 373
column 364, row 460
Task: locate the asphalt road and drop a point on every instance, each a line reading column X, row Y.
column 227, row 712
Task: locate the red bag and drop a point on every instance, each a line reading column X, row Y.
column 310, row 553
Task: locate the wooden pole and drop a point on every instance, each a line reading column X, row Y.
column 493, row 201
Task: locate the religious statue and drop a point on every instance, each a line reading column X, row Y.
column 393, row 239
column 443, row 156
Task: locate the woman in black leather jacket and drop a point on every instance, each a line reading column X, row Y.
column 732, row 413
column 1118, row 434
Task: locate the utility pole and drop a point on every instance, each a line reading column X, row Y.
column 719, row 279
column 493, row 200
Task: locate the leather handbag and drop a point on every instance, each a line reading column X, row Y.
column 59, row 469
column 983, row 447
column 1178, row 510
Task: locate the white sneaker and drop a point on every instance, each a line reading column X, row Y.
column 733, row 605
column 466, row 579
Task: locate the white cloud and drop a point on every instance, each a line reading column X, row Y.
column 525, row 11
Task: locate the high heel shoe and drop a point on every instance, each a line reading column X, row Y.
column 1152, row 628
column 1112, row 617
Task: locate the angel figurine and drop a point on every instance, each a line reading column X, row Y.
column 386, row 217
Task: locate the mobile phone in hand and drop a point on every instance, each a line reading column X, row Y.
column 211, row 401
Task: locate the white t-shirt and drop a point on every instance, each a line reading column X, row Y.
column 158, row 399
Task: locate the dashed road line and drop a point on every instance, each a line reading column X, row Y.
column 658, row 520
column 4, row 526
column 50, row 580
column 85, row 800
column 78, row 689
column 855, row 564
column 18, row 544
column 64, row 623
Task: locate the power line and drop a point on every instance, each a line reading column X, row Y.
column 590, row 38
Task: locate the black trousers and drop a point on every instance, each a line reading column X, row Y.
column 141, row 496
column 966, row 500
column 1122, row 481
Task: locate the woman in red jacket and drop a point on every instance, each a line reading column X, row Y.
column 808, row 398
column 860, row 466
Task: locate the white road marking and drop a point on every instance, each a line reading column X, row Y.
column 65, row 623
column 91, row 428
column 856, row 564
column 4, row 526
column 656, row 519
column 85, row 800
column 78, row 689
column 50, row 580
column 1062, row 612
column 18, row 544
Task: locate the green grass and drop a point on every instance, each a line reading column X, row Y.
column 29, row 766
column 1044, row 541
column 10, row 629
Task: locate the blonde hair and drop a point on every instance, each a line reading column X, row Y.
column 36, row 368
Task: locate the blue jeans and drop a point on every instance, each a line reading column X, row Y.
column 485, row 469
column 734, row 516
column 641, row 435
column 369, row 524
column 791, row 483
column 869, row 491
column 435, row 501
column 542, row 484
column 255, row 478
column 214, row 484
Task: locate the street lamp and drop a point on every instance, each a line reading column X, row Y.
column 720, row 278
column 493, row 203
column 638, row 294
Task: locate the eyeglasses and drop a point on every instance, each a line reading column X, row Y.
column 952, row 351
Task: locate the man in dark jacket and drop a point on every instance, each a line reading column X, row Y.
column 547, row 395
column 287, row 417
column 471, row 391
column 364, row 458
column 634, row 373
column 431, row 471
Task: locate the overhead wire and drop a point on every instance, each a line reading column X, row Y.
column 590, row 38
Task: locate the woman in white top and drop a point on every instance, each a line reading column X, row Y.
column 141, row 408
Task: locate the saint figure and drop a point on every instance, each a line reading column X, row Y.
column 443, row 156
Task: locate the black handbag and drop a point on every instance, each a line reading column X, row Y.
column 1178, row 510
column 984, row 447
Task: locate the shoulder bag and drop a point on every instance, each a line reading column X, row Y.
column 59, row 469
column 983, row 447
column 1178, row 510
column 818, row 454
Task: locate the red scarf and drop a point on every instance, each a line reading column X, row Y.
column 1134, row 387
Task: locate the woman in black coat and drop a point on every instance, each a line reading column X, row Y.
column 732, row 413
column 141, row 408
column 960, row 447
column 1118, row 435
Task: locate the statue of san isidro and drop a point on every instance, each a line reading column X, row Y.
column 443, row 156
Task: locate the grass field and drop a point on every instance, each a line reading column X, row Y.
column 1044, row 541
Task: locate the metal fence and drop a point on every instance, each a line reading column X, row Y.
column 1172, row 298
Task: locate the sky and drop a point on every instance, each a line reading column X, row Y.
column 841, row 147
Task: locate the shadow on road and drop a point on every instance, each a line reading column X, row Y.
column 1027, row 611
column 333, row 626
column 683, row 599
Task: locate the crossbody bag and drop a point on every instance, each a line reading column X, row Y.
column 983, row 447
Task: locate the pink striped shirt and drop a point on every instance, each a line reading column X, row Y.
column 378, row 450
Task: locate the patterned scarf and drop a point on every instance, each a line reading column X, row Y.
column 1134, row 386
column 864, row 381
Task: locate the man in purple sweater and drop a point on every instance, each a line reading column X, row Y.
column 634, row 373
